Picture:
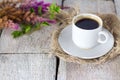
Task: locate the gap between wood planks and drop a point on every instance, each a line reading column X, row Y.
column 114, row 6
column 57, row 67
column 0, row 32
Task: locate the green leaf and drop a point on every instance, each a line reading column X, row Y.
column 53, row 9
column 32, row 10
column 40, row 10
column 37, row 25
column 16, row 34
column 27, row 29
column 57, row 9
column 52, row 16
column 44, row 24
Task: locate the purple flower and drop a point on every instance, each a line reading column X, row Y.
column 28, row 4
column 51, row 21
column 41, row 19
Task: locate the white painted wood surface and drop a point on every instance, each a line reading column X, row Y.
column 117, row 6
column 92, row 6
column 105, row 7
column 27, row 67
column 39, row 66
column 106, row 71
column 37, row 42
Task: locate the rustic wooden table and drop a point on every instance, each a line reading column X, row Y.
column 26, row 58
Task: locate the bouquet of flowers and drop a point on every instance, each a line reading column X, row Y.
column 26, row 16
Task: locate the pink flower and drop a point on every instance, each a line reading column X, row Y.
column 13, row 25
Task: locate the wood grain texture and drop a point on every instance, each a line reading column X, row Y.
column 27, row 67
column 107, row 71
column 92, row 6
column 105, row 7
column 117, row 6
column 37, row 42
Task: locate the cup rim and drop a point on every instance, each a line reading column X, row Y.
column 85, row 15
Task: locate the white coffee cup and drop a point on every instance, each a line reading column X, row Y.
column 85, row 38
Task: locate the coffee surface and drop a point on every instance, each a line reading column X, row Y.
column 87, row 24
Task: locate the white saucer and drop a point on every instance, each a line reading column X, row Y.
column 66, row 43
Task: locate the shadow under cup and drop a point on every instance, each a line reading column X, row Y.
column 84, row 34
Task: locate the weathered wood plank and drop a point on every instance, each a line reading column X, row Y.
column 107, row 71
column 105, row 7
column 84, row 5
column 37, row 42
column 117, row 6
column 91, row 6
column 27, row 67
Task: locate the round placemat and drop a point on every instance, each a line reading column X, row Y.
column 110, row 21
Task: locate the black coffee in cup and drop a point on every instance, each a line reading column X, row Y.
column 87, row 24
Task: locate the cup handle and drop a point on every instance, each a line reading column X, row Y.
column 105, row 35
